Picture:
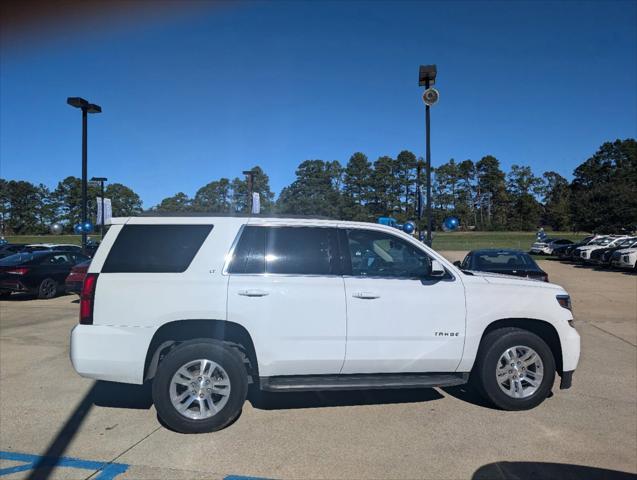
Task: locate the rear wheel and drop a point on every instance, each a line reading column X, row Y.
column 515, row 369
column 200, row 386
column 48, row 288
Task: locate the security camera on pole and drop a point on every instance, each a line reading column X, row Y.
column 426, row 78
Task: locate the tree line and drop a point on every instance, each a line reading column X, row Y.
column 601, row 197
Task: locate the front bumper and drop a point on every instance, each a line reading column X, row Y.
column 116, row 354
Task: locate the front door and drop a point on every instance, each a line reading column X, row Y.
column 285, row 287
column 398, row 320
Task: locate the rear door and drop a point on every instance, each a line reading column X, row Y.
column 285, row 287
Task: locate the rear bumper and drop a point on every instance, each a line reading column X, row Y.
column 116, row 354
column 73, row 287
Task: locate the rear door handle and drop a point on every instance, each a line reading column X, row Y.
column 253, row 293
column 366, row 295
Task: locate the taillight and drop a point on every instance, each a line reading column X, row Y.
column 87, row 298
column 18, row 271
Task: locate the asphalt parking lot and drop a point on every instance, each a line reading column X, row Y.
column 107, row 431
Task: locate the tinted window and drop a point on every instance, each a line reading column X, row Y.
column 379, row 254
column 58, row 259
column 249, row 253
column 302, row 251
column 155, row 248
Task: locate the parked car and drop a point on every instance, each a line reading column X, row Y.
column 546, row 246
column 41, row 272
column 583, row 254
column 564, row 252
column 10, row 249
column 34, row 247
column 508, row 262
column 625, row 258
column 73, row 282
column 204, row 306
column 602, row 256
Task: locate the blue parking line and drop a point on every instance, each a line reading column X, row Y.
column 107, row 471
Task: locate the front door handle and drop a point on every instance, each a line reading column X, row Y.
column 366, row 295
column 255, row 292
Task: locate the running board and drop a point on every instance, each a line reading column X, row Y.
column 299, row 383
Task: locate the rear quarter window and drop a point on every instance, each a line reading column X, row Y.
column 155, row 248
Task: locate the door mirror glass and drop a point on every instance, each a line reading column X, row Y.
column 437, row 270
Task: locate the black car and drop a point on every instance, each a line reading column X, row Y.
column 564, row 252
column 41, row 272
column 10, row 249
column 602, row 256
column 508, row 262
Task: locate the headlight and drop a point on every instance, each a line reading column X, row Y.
column 564, row 301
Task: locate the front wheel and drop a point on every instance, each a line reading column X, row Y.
column 515, row 369
column 200, row 386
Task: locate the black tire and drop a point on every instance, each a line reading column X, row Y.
column 48, row 288
column 5, row 295
column 493, row 345
column 226, row 357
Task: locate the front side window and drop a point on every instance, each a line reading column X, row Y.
column 379, row 254
column 155, row 248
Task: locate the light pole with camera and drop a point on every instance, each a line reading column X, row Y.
column 426, row 78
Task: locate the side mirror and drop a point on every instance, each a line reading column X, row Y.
column 437, row 270
column 457, row 263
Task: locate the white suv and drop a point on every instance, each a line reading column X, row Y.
column 205, row 306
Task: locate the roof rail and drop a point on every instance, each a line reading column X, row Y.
column 153, row 213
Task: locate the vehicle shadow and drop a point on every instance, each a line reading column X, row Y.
column 291, row 400
column 122, row 395
column 546, row 471
column 468, row 394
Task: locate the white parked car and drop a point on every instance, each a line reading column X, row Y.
column 583, row 253
column 205, row 306
column 547, row 245
column 625, row 258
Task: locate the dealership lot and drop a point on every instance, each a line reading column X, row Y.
column 46, row 409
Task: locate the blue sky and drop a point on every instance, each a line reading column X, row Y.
column 211, row 91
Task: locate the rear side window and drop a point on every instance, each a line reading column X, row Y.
column 286, row 250
column 155, row 248
column 302, row 251
column 249, row 254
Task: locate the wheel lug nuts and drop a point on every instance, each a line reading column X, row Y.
column 210, row 390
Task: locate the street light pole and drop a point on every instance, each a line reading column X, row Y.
column 86, row 108
column 84, row 174
column 427, row 77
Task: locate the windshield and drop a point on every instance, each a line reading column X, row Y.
column 21, row 258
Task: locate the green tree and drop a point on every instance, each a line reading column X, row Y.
column 405, row 172
column 178, row 203
column 491, row 194
column 23, row 200
column 124, row 201
column 523, row 186
column 384, row 195
column 315, row 190
column 604, row 189
column 214, row 197
column 556, row 198
column 356, row 188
